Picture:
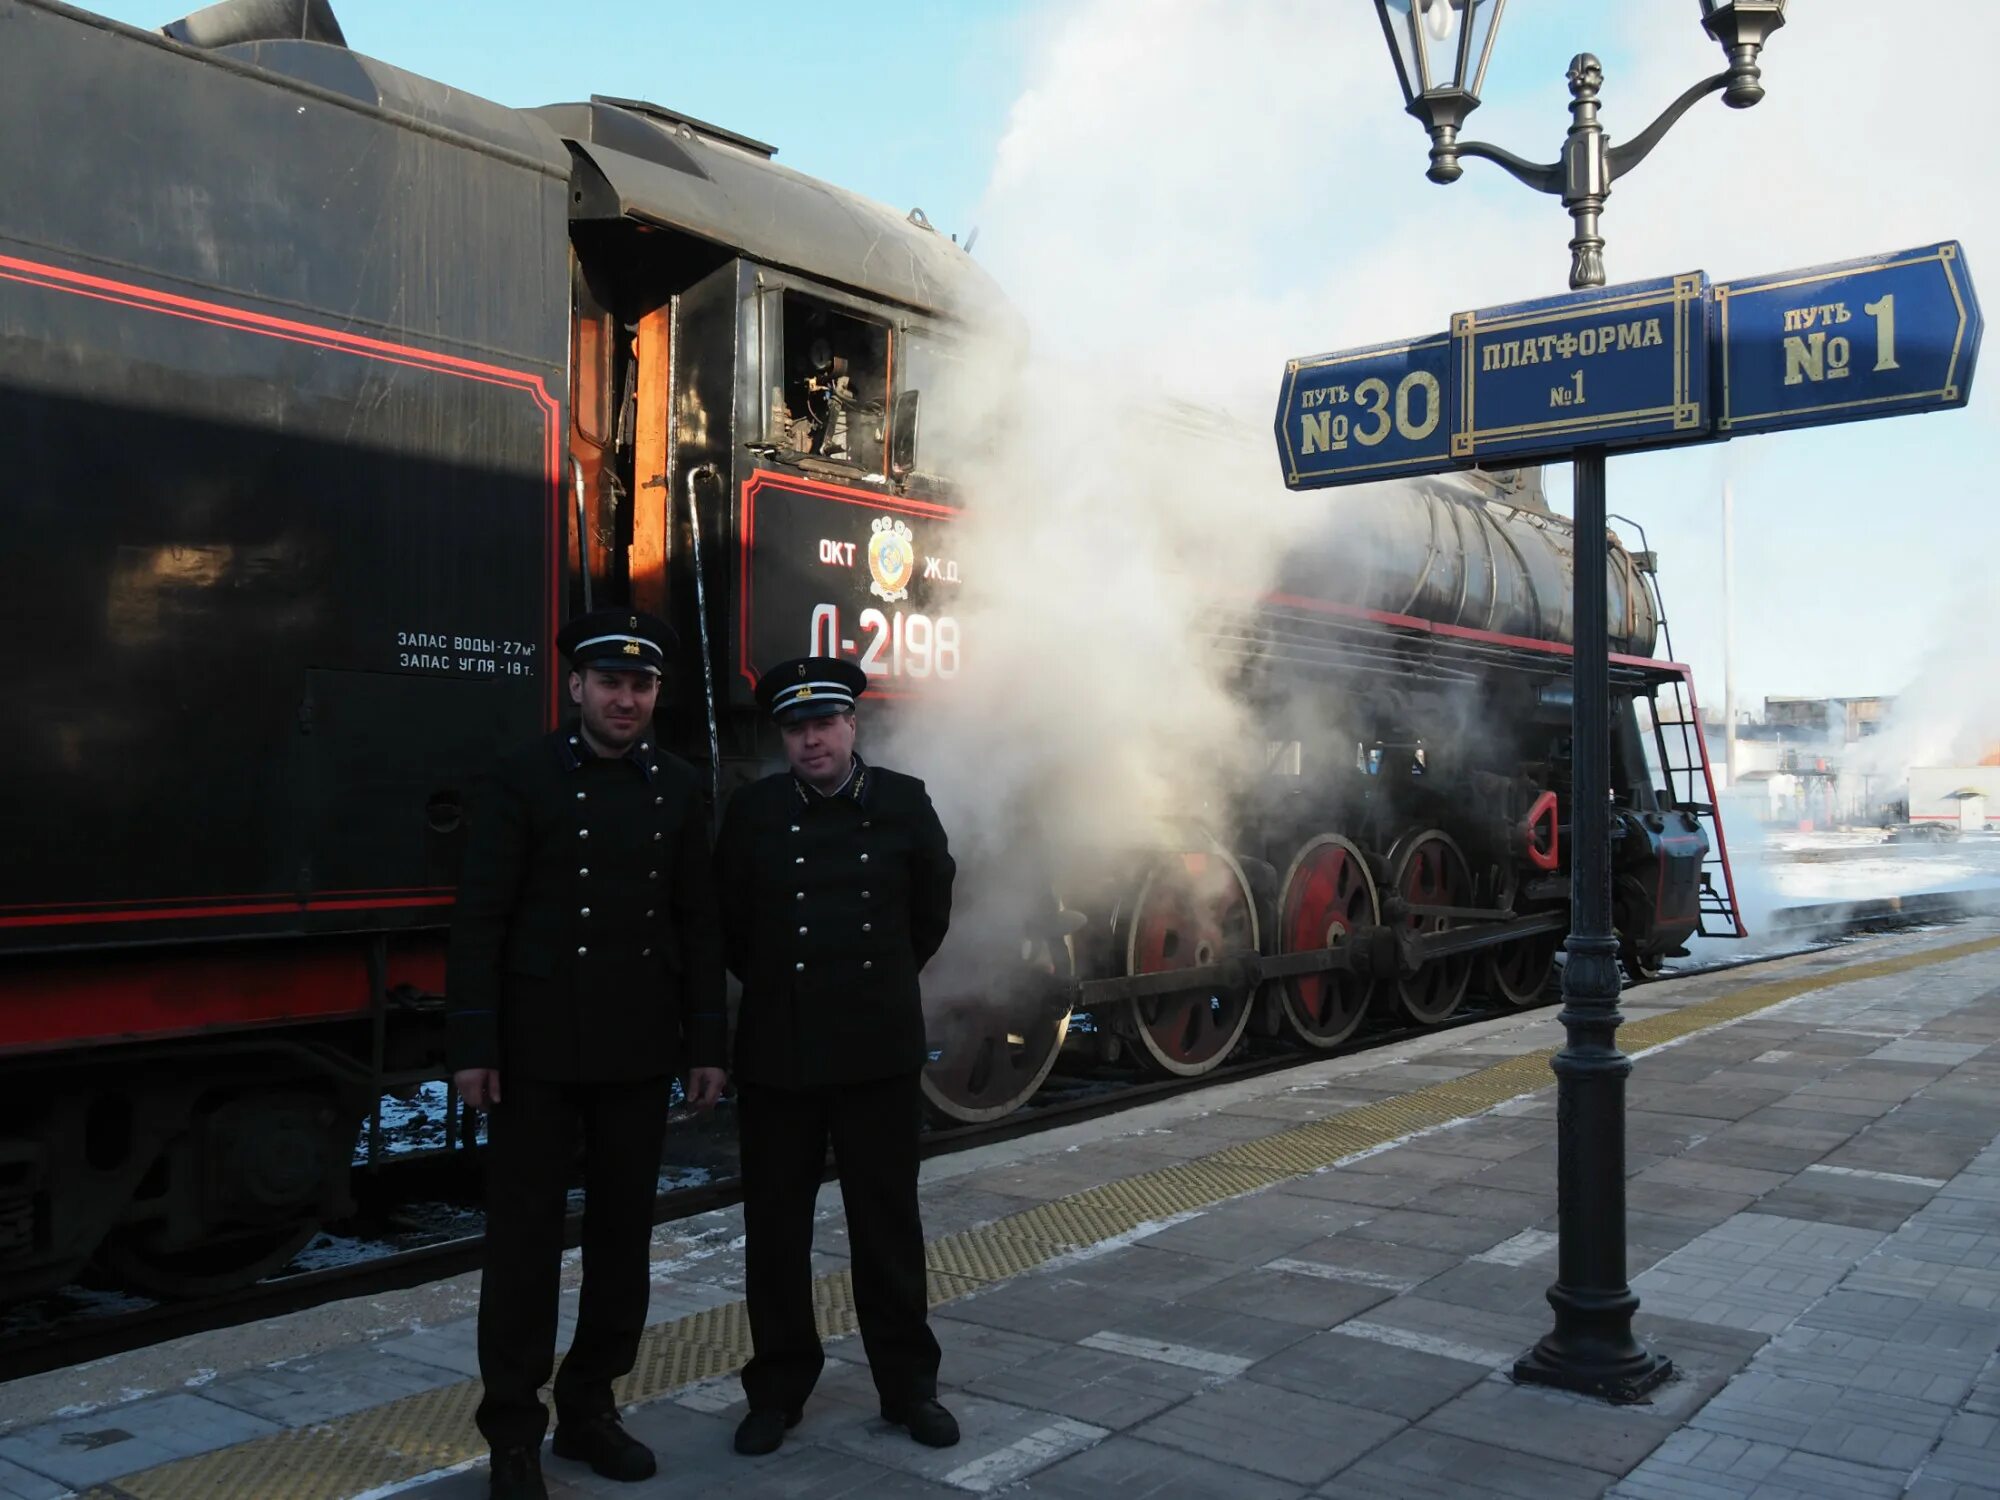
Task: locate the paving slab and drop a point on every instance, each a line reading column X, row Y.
column 17, row 1483
column 320, row 1387
column 1060, row 1308
column 1290, row 1296
column 1001, row 1444
column 85, row 1450
column 1478, row 1198
column 1111, row 1390
column 1449, row 1232
column 1133, row 1469
column 1149, row 1269
column 1698, row 1465
column 1419, row 1464
column 1399, row 1382
column 1270, row 1430
column 1345, row 1185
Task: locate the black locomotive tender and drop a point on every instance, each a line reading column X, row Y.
column 328, row 390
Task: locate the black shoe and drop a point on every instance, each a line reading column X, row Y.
column 764, row 1429
column 517, row 1475
column 607, row 1447
column 928, row 1421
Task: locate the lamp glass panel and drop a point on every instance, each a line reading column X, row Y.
column 1481, row 23
column 1427, row 35
column 1404, row 49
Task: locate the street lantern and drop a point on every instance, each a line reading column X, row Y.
column 1742, row 26
column 1440, row 48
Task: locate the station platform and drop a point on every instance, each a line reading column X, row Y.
column 1313, row 1283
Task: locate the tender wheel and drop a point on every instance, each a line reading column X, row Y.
column 1327, row 894
column 990, row 1053
column 1427, row 869
column 203, row 1270
column 1192, row 910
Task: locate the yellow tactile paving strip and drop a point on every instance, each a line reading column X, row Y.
column 415, row 1435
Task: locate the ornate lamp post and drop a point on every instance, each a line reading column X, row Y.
column 1441, row 48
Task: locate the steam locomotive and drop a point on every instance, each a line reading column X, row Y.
column 329, row 390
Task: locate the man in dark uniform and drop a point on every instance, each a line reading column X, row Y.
column 585, row 969
column 836, row 890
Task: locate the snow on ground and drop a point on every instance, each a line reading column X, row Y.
column 1808, row 868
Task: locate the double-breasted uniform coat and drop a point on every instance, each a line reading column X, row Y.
column 832, row 904
column 586, row 966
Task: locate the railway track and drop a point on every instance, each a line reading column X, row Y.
column 82, row 1337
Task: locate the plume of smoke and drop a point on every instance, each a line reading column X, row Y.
column 1949, row 713
column 1121, row 486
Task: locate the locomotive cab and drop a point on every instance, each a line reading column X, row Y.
column 747, row 457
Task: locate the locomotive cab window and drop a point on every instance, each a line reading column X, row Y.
column 831, row 398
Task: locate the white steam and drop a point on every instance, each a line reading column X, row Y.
column 1949, row 713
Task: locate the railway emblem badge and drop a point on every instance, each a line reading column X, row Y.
column 892, row 559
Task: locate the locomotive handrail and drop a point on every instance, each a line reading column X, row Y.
column 707, row 656
column 582, row 535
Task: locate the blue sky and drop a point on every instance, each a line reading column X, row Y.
column 1207, row 186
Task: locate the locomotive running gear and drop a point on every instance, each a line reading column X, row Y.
column 810, row 687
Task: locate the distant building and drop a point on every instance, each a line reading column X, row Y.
column 1954, row 796
column 1843, row 720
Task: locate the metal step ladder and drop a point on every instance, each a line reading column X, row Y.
column 1684, row 763
column 1690, row 785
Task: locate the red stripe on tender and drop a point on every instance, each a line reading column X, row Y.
column 244, row 909
column 173, row 302
column 92, row 1001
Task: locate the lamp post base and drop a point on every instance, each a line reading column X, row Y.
column 1594, row 1371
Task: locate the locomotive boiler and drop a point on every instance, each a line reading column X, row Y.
column 329, row 390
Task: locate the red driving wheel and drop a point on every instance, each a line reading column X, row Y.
column 1327, row 893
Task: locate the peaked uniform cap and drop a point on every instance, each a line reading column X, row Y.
column 617, row 640
column 810, row 687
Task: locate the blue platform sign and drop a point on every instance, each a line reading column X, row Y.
column 1623, row 366
column 1366, row 414
column 1864, row 338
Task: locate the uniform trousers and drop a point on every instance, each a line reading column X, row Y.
column 873, row 1128
column 531, row 1150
